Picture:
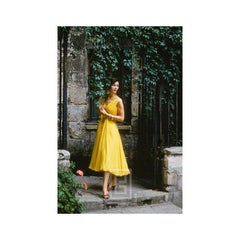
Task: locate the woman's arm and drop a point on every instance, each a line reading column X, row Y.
column 120, row 112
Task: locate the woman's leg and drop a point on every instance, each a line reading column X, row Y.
column 114, row 180
column 105, row 182
column 113, row 183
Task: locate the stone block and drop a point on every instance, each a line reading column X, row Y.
column 78, row 68
column 170, row 178
column 63, row 154
column 172, row 174
column 173, row 151
column 177, row 198
column 173, row 162
column 74, row 130
column 77, row 94
column 134, row 122
column 64, row 158
column 179, row 182
column 135, row 107
column 77, row 113
column 74, row 76
column 64, row 163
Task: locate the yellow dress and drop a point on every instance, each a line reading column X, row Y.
column 108, row 154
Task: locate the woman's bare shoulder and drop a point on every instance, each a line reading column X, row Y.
column 119, row 102
column 119, row 99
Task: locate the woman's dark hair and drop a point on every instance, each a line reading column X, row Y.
column 112, row 81
column 109, row 84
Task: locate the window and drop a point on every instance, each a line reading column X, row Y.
column 93, row 116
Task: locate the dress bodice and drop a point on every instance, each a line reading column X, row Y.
column 111, row 107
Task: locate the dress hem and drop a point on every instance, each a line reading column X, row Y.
column 112, row 172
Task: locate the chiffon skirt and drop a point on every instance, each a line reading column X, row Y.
column 108, row 154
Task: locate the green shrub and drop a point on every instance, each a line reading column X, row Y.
column 67, row 189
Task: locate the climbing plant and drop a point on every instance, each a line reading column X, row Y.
column 110, row 53
column 160, row 50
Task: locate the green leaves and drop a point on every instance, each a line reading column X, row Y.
column 159, row 49
column 67, row 188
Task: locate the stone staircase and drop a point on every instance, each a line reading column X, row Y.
column 128, row 197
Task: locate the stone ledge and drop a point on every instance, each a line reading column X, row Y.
column 173, row 151
column 120, row 127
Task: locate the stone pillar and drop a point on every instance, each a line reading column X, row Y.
column 172, row 174
column 135, row 90
column 77, row 80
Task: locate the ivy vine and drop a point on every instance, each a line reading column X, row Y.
column 160, row 49
column 110, row 53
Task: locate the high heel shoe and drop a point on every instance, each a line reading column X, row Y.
column 106, row 195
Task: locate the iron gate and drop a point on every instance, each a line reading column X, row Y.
column 159, row 127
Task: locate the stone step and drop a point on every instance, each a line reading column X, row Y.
column 124, row 196
column 92, row 201
column 157, row 208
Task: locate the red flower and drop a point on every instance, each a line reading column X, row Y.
column 79, row 172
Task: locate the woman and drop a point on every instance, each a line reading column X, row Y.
column 108, row 155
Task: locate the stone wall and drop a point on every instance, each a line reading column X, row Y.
column 77, row 102
column 172, row 177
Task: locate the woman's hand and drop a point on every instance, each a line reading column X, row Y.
column 120, row 112
column 103, row 111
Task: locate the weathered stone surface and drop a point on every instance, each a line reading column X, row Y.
column 172, row 174
column 173, row 159
column 77, row 94
column 78, row 68
column 77, row 113
column 173, row 151
column 125, row 195
column 74, row 76
column 74, row 130
column 63, row 155
column 173, row 162
column 170, row 178
column 135, row 107
column 64, row 158
column 179, row 182
column 134, row 123
column 65, row 163
column 84, row 68
column 175, row 197
column 134, row 84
